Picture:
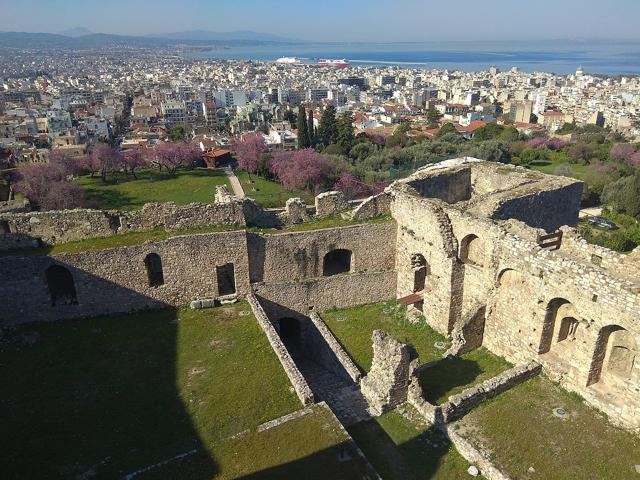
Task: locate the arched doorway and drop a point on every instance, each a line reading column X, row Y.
column 155, row 274
column 336, row 262
column 62, row 289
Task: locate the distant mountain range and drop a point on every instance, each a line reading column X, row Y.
column 83, row 38
column 222, row 36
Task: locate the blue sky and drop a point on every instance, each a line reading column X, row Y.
column 337, row 20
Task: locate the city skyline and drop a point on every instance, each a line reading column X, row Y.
column 357, row 21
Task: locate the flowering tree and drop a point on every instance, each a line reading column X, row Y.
column 174, row 155
column 622, row 151
column 353, row 187
column 537, row 142
column 65, row 161
column 303, row 169
column 139, row 158
column 103, row 159
column 249, row 151
column 47, row 188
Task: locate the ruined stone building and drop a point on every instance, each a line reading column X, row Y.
column 485, row 252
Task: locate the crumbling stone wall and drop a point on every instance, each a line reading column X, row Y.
column 385, row 387
column 60, row 226
column 372, row 207
column 329, row 204
column 295, row 211
column 519, row 282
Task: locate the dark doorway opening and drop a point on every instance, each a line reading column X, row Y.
column 226, row 279
column 155, row 274
column 62, row 288
column 290, row 332
column 4, row 227
column 336, row 262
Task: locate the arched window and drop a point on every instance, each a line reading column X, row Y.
column 336, row 261
column 62, row 289
column 420, row 272
column 614, row 355
column 510, row 278
column 472, row 251
column 153, row 262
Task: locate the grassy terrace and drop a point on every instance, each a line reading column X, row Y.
column 451, row 376
column 353, row 328
column 121, row 192
column 402, row 447
column 138, row 238
column 267, row 193
column 520, row 431
column 109, row 396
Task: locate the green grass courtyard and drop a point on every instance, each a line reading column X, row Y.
column 122, row 192
column 171, row 394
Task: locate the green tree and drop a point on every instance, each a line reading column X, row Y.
column 303, row 131
column 328, row 129
column 433, row 116
column 488, row 132
column 311, row 129
column 447, row 128
column 345, row 137
column 177, row 133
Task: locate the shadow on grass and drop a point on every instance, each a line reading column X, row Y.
column 101, row 398
column 540, row 163
column 110, row 199
column 419, row 457
column 339, row 462
column 440, row 380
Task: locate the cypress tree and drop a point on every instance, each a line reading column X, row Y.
column 328, row 130
column 303, row 131
column 345, row 137
column 311, row 129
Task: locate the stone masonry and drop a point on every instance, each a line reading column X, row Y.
column 385, row 387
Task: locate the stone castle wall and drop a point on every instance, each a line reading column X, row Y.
column 575, row 314
column 116, row 280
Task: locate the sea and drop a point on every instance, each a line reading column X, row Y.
column 556, row 56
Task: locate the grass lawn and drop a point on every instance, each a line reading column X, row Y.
column 124, row 193
column 520, row 430
column 551, row 167
column 267, row 193
column 311, row 447
column 402, row 447
column 108, row 396
column 354, row 326
column 451, row 376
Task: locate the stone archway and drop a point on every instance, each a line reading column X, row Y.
column 62, row 289
column 614, row 355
